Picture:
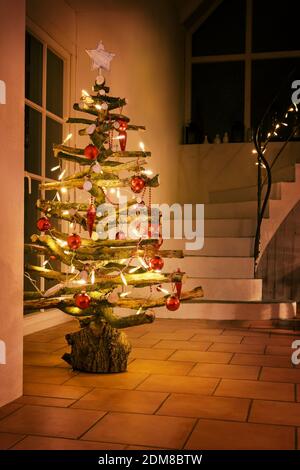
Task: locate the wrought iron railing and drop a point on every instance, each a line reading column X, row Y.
column 280, row 123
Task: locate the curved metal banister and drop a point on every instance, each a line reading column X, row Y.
column 263, row 163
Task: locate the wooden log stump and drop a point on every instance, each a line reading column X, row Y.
column 98, row 348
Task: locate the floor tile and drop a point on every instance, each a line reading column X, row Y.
column 143, row 342
column 179, row 384
column 198, row 356
column 245, row 332
column 50, row 421
column 261, row 360
column 56, row 391
column 226, row 371
column 224, row 435
column 8, row 409
column 31, row 346
column 44, row 401
column 7, row 440
column 256, row 389
column 272, row 340
column 155, row 431
column 50, row 375
column 280, row 374
column 187, row 345
column 160, row 367
column 150, row 353
column 179, row 335
column 129, row 401
column 298, row 392
column 41, row 359
column 52, row 443
column 198, row 406
column 279, row 350
column 217, row 338
column 124, row 380
column 238, row 348
column 275, row 412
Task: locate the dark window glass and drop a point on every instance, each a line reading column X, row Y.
column 33, row 69
column 218, row 100
column 55, row 75
column 223, row 32
column 31, row 215
column 272, row 79
column 53, row 136
column 275, row 25
column 33, row 141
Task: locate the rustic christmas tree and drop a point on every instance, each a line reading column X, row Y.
column 117, row 254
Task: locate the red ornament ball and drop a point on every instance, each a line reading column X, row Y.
column 91, row 152
column 122, row 125
column 120, row 235
column 137, row 184
column 74, row 241
column 156, row 263
column 82, row 300
column 173, row 303
column 43, row 224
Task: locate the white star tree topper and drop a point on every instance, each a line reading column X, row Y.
column 100, row 57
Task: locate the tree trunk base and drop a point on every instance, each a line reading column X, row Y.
column 99, row 349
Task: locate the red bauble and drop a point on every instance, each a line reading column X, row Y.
column 156, row 263
column 91, row 152
column 90, row 218
column 137, row 184
column 122, row 125
column 120, row 235
column 123, row 140
column 173, row 303
column 74, row 241
column 82, row 300
column 43, row 224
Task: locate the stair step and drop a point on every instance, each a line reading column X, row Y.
column 215, row 246
column 214, row 289
column 222, row 310
column 230, row 227
column 243, row 194
column 232, row 210
column 213, row 267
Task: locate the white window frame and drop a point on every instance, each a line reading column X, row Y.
column 247, row 57
column 49, row 43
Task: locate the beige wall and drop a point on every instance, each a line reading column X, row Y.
column 148, row 68
column 12, row 22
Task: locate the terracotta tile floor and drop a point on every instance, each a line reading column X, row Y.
column 190, row 385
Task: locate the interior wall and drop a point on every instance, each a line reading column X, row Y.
column 12, row 45
column 148, row 68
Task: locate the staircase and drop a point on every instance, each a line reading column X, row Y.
column 225, row 265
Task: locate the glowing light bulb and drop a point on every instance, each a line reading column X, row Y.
column 93, row 277
column 133, row 270
column 84, row 93
column 147, row 172
column 69, row 137
column 98, row 106
column 254, row 151
column 123, row 278
column 143, row 262
column 112, row 190
column 65, row 213
column 61, row 175
column 142, row 146
column 124, row 294
column 284, row 124
column 63, row 190
column 55, row 168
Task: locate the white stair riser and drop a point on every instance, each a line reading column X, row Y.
column 232, row 210
column 243, row 194
column 214, row 289
column 225, row 311
column 215, row 246
column 229, row 227
column 212, row 267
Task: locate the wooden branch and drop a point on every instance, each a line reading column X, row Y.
column 126, row 322
column 99, row 183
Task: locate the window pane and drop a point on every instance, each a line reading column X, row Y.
column 55, row 223
column 55, row 74
column 53, row 136
column 218, row 100
column 223, row 32
column 268, row 78
column 33, row 141
column 31, row 215
column 33, row 69
column 275, row 25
